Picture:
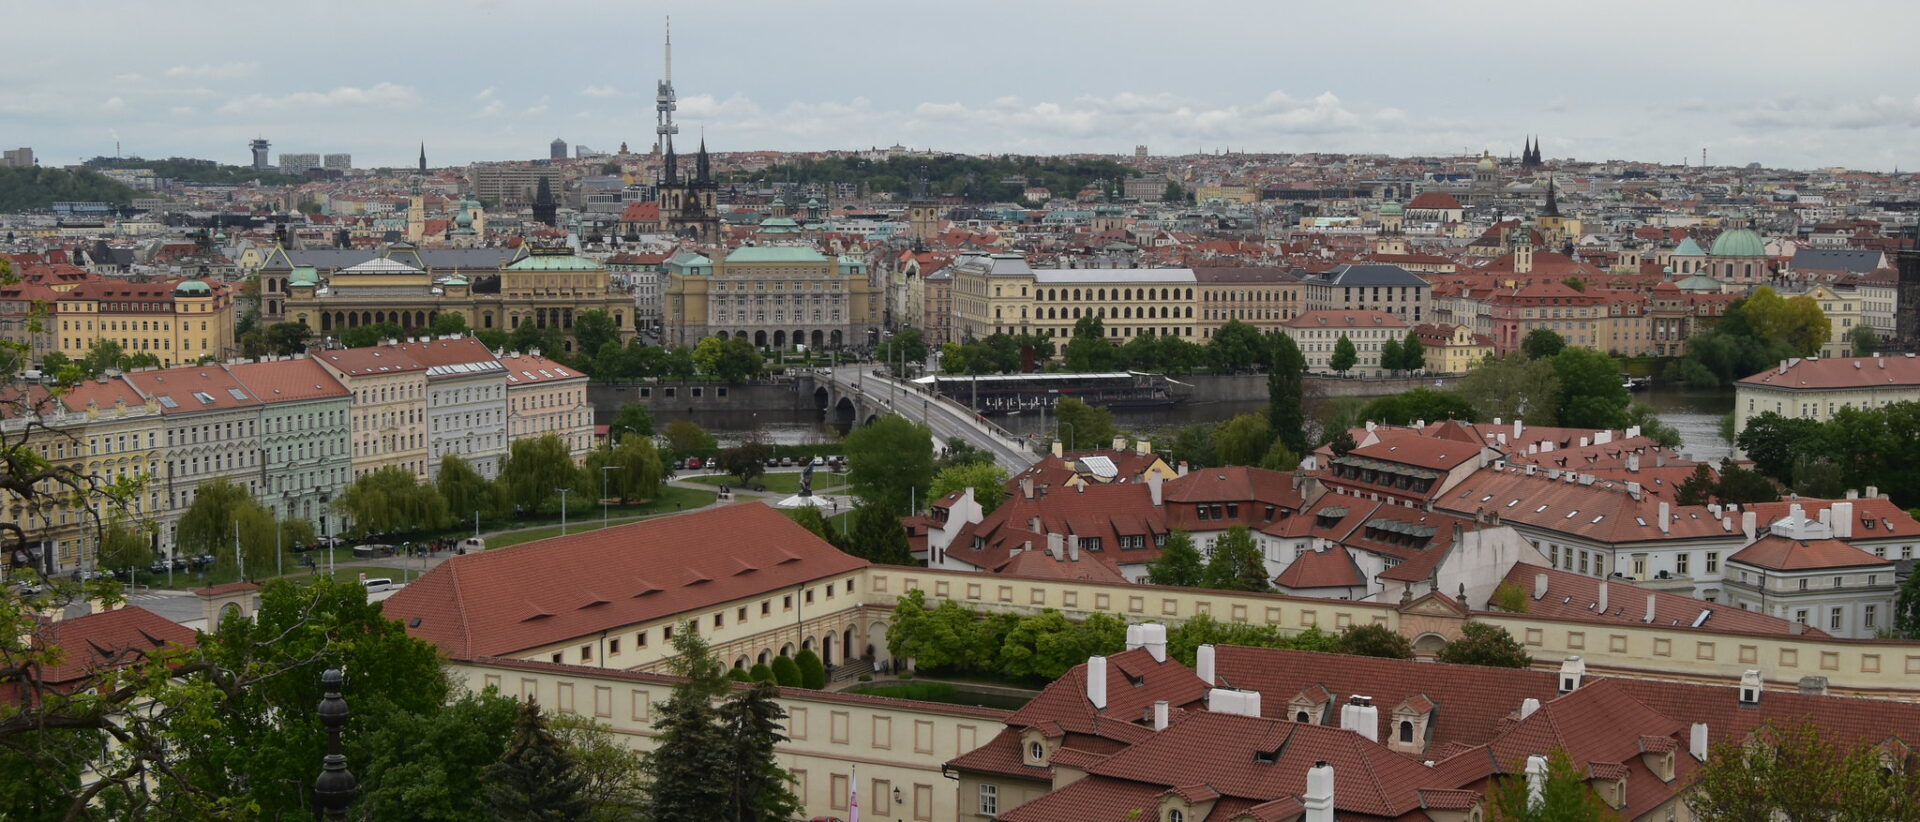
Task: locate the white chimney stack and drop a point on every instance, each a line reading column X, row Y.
column 1160, row 715
column 1749, row 524
column 1750, row 688
column 1153, row 637
column 1133, row 637
column 1119, row 443
column 1154, row 490
column 1665, row 518
column 1203, row 664
column 1097, row 682
column 1539, row 586
column 1600, row 605
column 1073, row 546
column 1057, row 450
column 1536, row 780
column 1318, row 800
column 1697, row 741
column 1143, row 447
column 1026, row 486
column 1842, row 520
column 1528, row 706
column 1234, row 701
column 1361, row 717
column 1518, row 429
column 1651, row 600
column 1633, row 462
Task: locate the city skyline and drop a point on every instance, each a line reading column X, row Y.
column 1648, row 83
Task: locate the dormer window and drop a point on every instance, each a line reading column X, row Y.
column 1174, row 815
column 1406, row 732
column 1037, row 751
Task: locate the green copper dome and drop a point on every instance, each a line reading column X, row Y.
column 1392, row 209
column 1740, row 242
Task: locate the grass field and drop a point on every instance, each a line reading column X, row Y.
column 780, row 483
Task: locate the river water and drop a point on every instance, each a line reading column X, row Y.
column 1695, row 414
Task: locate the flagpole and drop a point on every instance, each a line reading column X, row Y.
column 853, row 796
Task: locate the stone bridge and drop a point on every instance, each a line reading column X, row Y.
column 858, row 395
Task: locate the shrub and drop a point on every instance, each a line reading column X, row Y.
column 785, row 672
column 760, row 673
column 813, row 674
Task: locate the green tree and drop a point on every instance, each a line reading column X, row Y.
column 1280, row 458
column 688, row 768
column 890, row 463
column 1235, row 563
column 1697, row 489
column 1483, row 644
column 760, row 673
column 1344, row 356
column 124, row 544
column 1342, row 442
column 760, row 788
column 1774, row 442
column 361, row 336
column 223, row 512
column 907, row 345
column 1237, row 347
column 535, row 779
column 594, row 328
column 810, row 518
column 466, row 492
column 1179, row 563
column 632, row 418
column 609, row 770
column 1510, row 597
column 1084, row 426
column 287, row 338
column 1191, row 444
column 529, row 337
column 1172, row 193
column 1743, row 486
column 535, row 470
column 1088, row 349
column 1542, row 344
column 1372, row 640
column 1046, row 645
column 686, row 437
column 1418, row 404
column 813, row 673
column 1413, row 354
column 876, row 535
column 1862, row 341
column 746, row 460
column 1242, row 440
column 738, row 361
column 637, row 468
column 1286, row 385
column 427, row 765
column 393, row 500
column 1641, row 415
column 786, row 672
column 1513, row 387
column 1591, row 395
column 1801, row 773
column 1795, row 322
column 1564, row 795
column 987, row 479
column 448, row 322
column 1390, row 355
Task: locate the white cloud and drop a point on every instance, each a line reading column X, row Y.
column 485, row 94
column 180, row 111
column 493, row 108
column 600, row 91
column 113, row 104
column 382, row 96
column 222, row 71
column 536, row 109
column 130, row 77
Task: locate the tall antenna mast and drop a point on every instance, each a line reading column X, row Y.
column 664, row 105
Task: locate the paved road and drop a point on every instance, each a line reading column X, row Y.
column 946, row 418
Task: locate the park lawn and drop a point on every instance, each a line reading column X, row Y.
column 671, row 500
column 787, row 482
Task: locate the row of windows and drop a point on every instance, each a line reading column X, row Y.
column 717, row 619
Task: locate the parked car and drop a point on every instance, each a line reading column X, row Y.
column 773, row 462
column 679, row 465
column 786, row 462
column 377, row 584
column 693, row 462
column 819, row 461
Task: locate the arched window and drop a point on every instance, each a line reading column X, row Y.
column 1175, row 815
column 1036, row 752
column 1301, row 717
column 1406, row 731
column 1128, row 294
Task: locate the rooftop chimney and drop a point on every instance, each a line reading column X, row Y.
column 1143, row 447
column 1318, row 799
column 1361, row 717
column 1119, row 443
column 1666, row 524
column 1816, row 685
column 1154, row 490
column 1182, row 470
column 1026, row 486
column 1539, row 585
column 1842, row 520
column 1651, row 599
column 1697, row 741
column 1097, row 681
column 1750, row 688
column 1518, row 428
column 1749, row 524
column 1536, row 780
column 1073, row 548
column 1057, row 450
column 1600, row 604
column 1234, row 701
column 1633, row 462
column 1160, row 715
column 1528, row 706
column 1203, row 663
column 1572, row 670
column 1055, row 546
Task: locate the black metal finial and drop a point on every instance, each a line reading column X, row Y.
column 335, row 788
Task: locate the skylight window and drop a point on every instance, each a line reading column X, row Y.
column 1571, row 514
column 204, row 397
column 237, row 393
column 1542, row 507
column 166, row 401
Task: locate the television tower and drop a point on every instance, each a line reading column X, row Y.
column 664, row 103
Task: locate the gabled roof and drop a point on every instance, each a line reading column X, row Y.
column 110, row 639
column 290, row 380
column 1817, row 373
column 192, row 388
column 1577, row 596
column 510, row 600
column 1778, row 553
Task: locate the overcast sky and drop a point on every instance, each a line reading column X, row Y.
column 1784, row 84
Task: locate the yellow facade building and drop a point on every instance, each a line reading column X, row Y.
column 179, row 322
column 389, row 406
column 774, row 296
column 102, row 429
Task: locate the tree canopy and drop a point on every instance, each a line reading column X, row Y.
column 890, row 463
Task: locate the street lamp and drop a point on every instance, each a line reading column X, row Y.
column 1059, row 423
column 563, row 509
column 603, row 490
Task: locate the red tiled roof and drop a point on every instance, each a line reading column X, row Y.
column 291, row 380
column 1576, row 596
column 1330, row 567
column 104, row 640
column 1840, row 372
column 193, row 388
column 1436, row 201
column 528, row 369
column 508, row 600
column 1778, row 553
column 370, row 361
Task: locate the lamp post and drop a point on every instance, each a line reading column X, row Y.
column 603, row 490
column 1059, row 423
column 334, row 790
column 563, row 509
column 325, row 539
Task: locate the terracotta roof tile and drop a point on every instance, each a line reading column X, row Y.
column 109, row 639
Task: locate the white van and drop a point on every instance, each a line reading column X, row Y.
column 377, row 584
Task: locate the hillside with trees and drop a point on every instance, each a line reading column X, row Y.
column 973, row 179
column 204, row 172
column 34, row 189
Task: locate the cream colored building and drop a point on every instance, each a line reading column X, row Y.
column 389, row 406
column 775, row 296
column 1001, row 294
column 1318, row 334
column 545, row 397
column 1814, row 388
column 1843, row 314
column 100, row 428
column 177, row 321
